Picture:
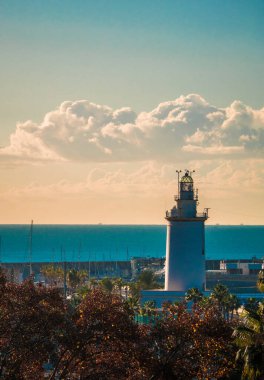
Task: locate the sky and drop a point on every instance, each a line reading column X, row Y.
column 101, row 101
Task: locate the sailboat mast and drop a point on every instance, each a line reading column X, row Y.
column 0, row 250
column 30, row 248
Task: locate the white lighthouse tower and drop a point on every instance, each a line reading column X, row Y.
column 185, row 251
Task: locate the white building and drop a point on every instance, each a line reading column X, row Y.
column 185, row 249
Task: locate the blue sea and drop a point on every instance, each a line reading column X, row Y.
column 53, row 243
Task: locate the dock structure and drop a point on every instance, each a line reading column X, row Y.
column 239, row 275
column 17, row 272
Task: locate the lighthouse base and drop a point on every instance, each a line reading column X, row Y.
column 160, row 296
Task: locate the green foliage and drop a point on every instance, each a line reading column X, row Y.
column 53, row 274
column 149, row 309
column 148, row 280
column 260, row 283
column 249, row 337
column 97, row 337
column 227, row 302
column 107, row 284
column 76, row 277
column 134, row 289
column 133, row 303
column 194, row 295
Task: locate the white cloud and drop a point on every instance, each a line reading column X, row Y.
column 84, row 131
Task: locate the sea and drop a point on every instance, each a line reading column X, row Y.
column 76, row 243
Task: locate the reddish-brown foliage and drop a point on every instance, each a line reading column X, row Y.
column 100, row 340
column 30, row 322
column 102, row 343
column 187, row 345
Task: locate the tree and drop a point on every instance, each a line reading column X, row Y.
column 107, row 284
column 194, row 295
column 101, row 342
column 133, row 303
column 249, row 337
column 213, row 342
column 93, row 283
column 118, row 284
column 76, row 278
column 149, row 309
column 185, row 345
column 53, row 275
column 148, row 280
column 228, row 303
column 221, row 295
column 233, row 304
column 99, row 339
column 252, row 304
column 31, row 321
column 96, row 339
column 260, row 283
column 134, row 289
column 73, row 278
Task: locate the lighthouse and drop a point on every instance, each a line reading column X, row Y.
column 185, row 246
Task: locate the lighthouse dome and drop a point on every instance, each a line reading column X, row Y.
column 187, row 178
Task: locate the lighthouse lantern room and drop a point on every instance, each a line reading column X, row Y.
column 185, row 248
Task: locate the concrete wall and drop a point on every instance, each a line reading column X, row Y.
column 185, row 260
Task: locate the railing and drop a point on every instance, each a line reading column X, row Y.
column 170, row 214
column 201, row 215
column 177, row 197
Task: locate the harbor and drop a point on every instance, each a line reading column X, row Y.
column 239, row 275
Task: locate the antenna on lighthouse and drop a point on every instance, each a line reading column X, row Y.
column 178, row 172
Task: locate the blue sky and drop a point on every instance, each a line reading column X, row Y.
column 135, row 53
column 142, row 55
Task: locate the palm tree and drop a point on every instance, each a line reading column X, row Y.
column 53, row 275
column 221, row 295
column 74, row 278
column 134, row 289
column 93, row 283
column 148, row 280
column 107, row 284
column 83, row 274
column 83, row 290
column 260, row 283
column 133, row 303
column 119, row 283
column 194, row 295
column 233, row 304
column 150, row 307
column 249, row 336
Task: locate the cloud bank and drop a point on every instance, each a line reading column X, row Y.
column 223, row 179
column 185, row 127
